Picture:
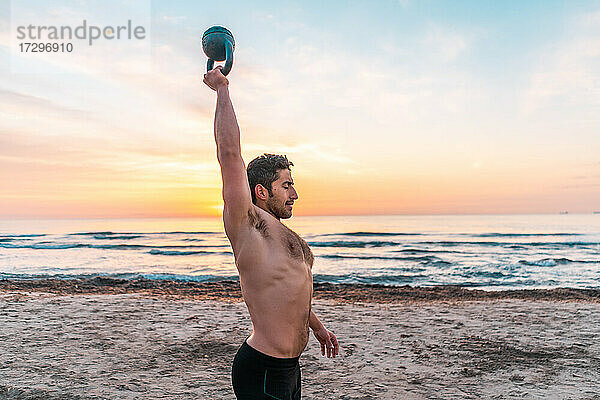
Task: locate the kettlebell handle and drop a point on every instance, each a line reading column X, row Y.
column 228, row 59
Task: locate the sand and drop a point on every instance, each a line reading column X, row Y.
column 144, row 344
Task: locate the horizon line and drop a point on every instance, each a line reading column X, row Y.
column 29, row 218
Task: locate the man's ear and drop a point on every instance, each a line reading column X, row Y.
column 261, row 192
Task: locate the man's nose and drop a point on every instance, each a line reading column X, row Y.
column 294, row 194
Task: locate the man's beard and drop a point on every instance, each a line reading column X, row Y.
column 278, row 209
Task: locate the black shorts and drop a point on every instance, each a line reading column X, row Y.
column 257, row 376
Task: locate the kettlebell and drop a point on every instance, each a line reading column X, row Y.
column 218, row 45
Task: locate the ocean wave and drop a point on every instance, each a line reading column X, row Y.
column 361, row 244
column 519, row 234
column 123, row 275
column 450, row 243
column 98, row 233
column 42, row 246
column 115, row 237
column 370, row 234
column 58, row 245
column 440, row 263
column 387, row 279
column 187, row 253
column 560, row 244
column 552, row 262
column 22, row 236
column 151, row 246
column 189, row 278
column 120, row 246
column 486, row 274
column 509, row 285
column 110, row 233
column 340, row 256
column 6, row 275
column 412, row 250
column 482, row 235
column 187, row 233
column 64, row 246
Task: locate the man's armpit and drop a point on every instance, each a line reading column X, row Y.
column 258, row 222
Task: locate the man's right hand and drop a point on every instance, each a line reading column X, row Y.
column 215, row 79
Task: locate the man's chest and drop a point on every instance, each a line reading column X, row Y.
column 297, row 247
column 278, row 238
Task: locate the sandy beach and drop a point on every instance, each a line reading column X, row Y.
column 111, row 339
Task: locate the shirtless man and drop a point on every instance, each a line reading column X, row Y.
column 274, row 263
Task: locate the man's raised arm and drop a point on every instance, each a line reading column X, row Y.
column 236, row 192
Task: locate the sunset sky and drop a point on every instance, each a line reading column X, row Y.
column 385, row 107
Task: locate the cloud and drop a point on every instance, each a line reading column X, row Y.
column 281, row 22
column 444, row 43
column 308, row 82
column 174, row 19
column 42, row 163
column 581, row 186
column 308, row 151
column 4, row 32
column 569, row 74
column 19, row 103
column 590, row 19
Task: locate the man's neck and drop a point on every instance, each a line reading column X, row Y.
column 262, row 207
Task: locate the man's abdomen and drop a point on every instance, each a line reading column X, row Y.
column 280, row 313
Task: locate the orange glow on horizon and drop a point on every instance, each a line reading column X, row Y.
column 337, row 194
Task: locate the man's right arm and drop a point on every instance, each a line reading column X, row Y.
column 236, row 192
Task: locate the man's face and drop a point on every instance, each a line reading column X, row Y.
column 281, row 202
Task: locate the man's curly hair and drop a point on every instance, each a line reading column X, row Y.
column 264, row 170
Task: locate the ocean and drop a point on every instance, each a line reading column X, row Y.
column 491, row 252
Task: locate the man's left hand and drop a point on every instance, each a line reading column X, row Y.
column 328, row 341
